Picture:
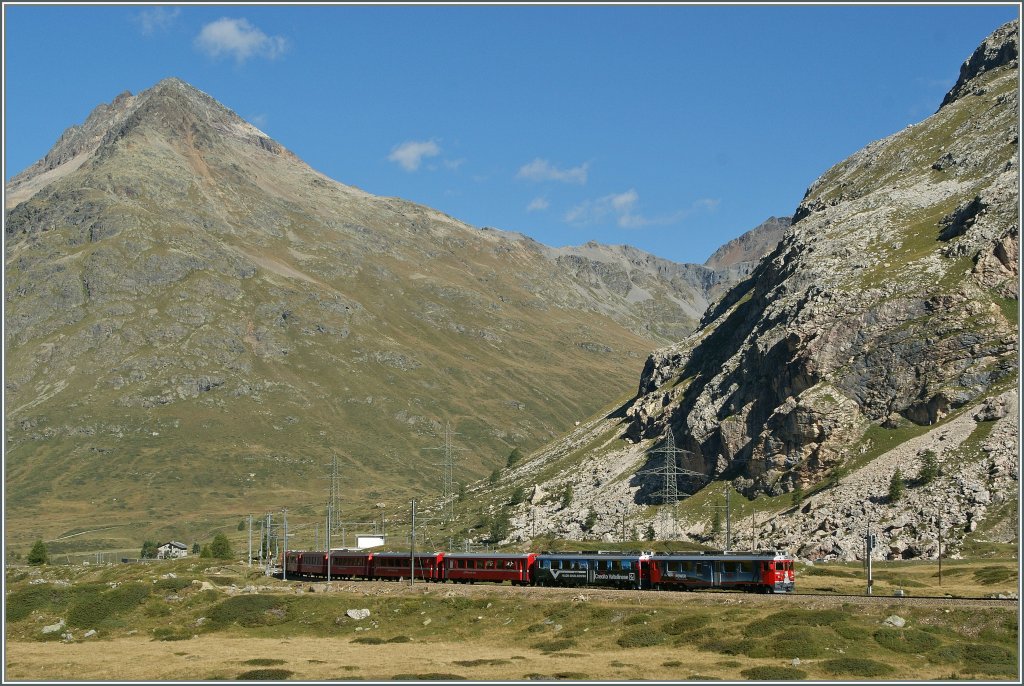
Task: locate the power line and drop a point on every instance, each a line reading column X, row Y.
column 671, row 472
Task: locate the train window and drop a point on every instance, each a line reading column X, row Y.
column 545, row 564
column 746, row 566
column 510, row 564
column 626, row 565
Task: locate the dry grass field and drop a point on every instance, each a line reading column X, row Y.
column 200, row 624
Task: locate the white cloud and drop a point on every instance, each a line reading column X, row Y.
column 156, row 19
column 453, row 165
column 622, row 208
column 542, row 170
column 410, row 154
column 538, row 205
column 240, row 39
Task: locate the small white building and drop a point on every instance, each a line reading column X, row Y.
column 170, row 550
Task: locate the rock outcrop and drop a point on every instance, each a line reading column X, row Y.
column 885, row 318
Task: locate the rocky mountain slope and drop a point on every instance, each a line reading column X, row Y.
column 888, row 311
column 196, row 322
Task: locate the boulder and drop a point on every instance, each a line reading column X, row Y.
column 358, row 614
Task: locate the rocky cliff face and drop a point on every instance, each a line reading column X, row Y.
column 892, row 299
column 194, row 315
column 888, row 310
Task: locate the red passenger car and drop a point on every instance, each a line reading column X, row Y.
column 472, row 567
column 305, row 563
column 426, row 566
column 759, row 572
column 348, row 564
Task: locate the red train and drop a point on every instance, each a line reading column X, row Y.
column 755, row 572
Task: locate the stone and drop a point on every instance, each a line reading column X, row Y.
column 89, row 634
column 53, row 628
column 358, row 614
column 896, row 621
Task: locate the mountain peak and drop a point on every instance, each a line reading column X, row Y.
column 998, row 49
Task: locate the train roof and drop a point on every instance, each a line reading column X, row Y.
column 406, row 554
column 722, row 555
column 498, row 556
column 593, row 553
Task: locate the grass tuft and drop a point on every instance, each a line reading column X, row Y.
column 264, row 675
column 774, row 673
column 856, row 666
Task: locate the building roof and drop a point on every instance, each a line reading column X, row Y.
column 174, row 544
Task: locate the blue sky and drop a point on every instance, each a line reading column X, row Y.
column 673, row 128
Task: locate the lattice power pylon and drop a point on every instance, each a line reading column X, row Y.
column 448, row 473
column 671, row 472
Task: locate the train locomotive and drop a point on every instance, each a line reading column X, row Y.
column 753, row 571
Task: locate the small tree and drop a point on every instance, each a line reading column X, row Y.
column 650, row 532
column 461, row 496
column 591, row 520
column 796, row 496
column 499, row 527
column 566, row 496
column 495, row 475
column 195, row 548
column 38, row 554
column 241, row 525
column 896, row 486
column 205, row 552
column 716, row 523
column 518, row 496
column 513, row 458
column 221, row 547
column 929, row 467
column 149, row 550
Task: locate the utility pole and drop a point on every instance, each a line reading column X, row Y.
column 327, row 542
column 412, row 546
column 940, row 546
column 728, row 519
column 250, row 540
column 869, row 545
column 284, row 525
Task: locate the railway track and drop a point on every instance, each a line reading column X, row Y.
column 583, row 594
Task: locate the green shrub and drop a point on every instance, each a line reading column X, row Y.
column 166, row 633
column 554, row 645
column 856, row 666
column 249, row 611
column 684, row 624
column 92, row 607
column 536, row 628
column 790, row 618
column 800, row 641
column 727, row 646
column 20, row 604
column 641, row 637
column 171, row 584
column 263, row 662
column 910, row 641
column 368, row 640
column 156, row 608
column 947, row 653
column 993, row 575
column 851, row 632
column 399, row 639
column 671, row 663
column 981, row 654
column 264, row 675
column 773, row 673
